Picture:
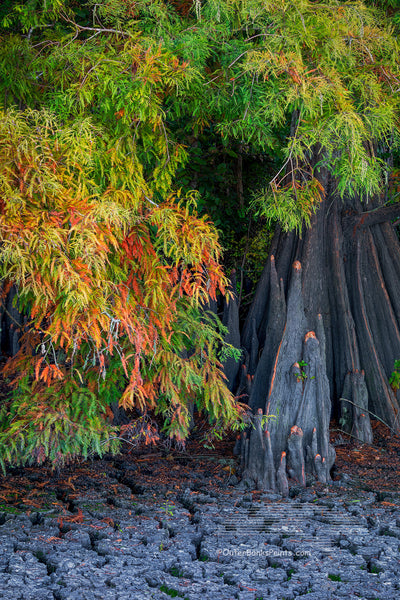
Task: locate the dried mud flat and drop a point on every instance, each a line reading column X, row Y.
column 155, row 526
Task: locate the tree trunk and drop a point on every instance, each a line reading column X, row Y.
column 323, row 326
column 11, row 322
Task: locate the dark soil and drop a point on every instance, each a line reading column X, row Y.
column 373, row 467
column 370, row 468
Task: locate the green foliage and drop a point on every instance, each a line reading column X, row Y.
column 394, row 379
column 290, row 573
column 47, row 424
column 302, row 365
column 112, row 263
column 171, row 592
column 244, row 71
column 292, row 205
column 168, row 509
column 32, row 14
column 228, row 351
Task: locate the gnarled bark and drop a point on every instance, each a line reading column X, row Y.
column 326, row 325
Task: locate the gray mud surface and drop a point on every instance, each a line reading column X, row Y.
column 158, row 528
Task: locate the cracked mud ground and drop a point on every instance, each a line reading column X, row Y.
column 156, row 526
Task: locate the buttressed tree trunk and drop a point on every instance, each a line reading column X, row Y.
column 324, row 326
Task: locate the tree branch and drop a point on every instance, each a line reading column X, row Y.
column 95, row 29
column 373, row 217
